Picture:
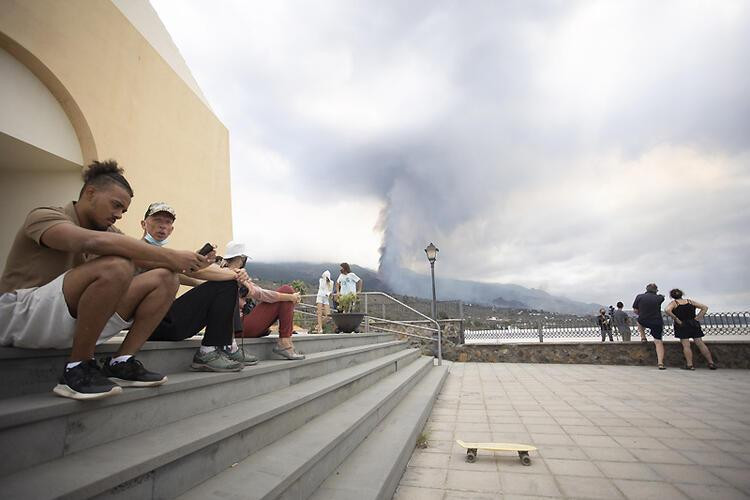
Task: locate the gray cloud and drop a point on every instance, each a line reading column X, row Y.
column 586, row 148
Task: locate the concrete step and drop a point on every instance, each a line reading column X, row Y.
column 45, row 427
column 374, row 469
column 25, row 371
column 296, row 464
column 165, row 461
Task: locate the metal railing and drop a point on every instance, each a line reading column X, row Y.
column 715, row 326
column 373, row 302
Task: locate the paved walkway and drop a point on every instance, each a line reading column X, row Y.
column 602, row 432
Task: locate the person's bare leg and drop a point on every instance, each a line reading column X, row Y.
column 92, row 292
column 327, row 314
column 703, row 348
column 319, row 311
column 687, row 351
column 659, row 351
column 642, row 331
column 147, row 301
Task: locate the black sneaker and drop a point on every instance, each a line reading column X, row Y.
column 85, row 381
column 131, row 373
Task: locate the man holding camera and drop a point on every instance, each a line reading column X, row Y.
column 211, row 303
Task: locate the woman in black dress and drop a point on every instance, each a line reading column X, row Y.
column 687, row 326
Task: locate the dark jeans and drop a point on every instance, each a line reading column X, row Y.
column 607, row 332
column 212, row 304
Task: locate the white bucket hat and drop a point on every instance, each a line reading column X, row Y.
column 235, row 249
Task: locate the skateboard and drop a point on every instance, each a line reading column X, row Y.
column 522, row 449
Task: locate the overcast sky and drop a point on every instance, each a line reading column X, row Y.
column 584, row 148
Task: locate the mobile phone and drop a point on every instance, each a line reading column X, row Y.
column 206, row 249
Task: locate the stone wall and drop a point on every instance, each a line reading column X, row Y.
column 726, row 354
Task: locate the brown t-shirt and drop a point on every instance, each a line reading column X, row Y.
column 30, row 263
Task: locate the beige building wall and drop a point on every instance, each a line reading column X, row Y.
column 124, row 101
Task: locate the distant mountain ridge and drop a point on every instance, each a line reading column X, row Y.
column 406, row 282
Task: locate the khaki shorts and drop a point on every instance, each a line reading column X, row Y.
column 38, row 318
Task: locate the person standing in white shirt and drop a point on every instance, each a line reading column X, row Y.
column 348, row 282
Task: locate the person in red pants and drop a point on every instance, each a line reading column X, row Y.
column 270, row 306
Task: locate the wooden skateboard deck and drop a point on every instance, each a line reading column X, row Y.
column 522, row 449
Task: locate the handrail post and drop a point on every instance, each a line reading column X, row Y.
column 440, row 344
column 367, row 317
column 539, row 330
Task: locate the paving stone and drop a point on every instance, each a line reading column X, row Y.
column 543, row 439
column 689, row 444
column 648, row 443
column 415, row 493
column 584, row 430
column 712, row 491
column 511, row 437
column 648, row 490
column 567, row 452
column 440, row 426
column 441, row 435
column 710, row 433
column 739, row 478
column 668, row 432
column 515, row 427
column 603, row 441
column 479, row 481
column 626, row 431
column 627, row 470
column 423, row 459
column 434, row 445
column 513, row 496
column 588, row 487
column 608, row 454
column 573, row 467
column 423, row 476
column 736, row 445
column 470, row 495
column 661, row 456
column 528, row 484
column 686, row 474
column 718, row 458
column 544, row 429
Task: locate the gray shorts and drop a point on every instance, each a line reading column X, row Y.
column 38, row 318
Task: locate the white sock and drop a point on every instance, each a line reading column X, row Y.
column 207, row 348
column 234, row 347
column 120, row 359
column 72, row 364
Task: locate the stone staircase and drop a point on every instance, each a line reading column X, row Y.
column 340, row 424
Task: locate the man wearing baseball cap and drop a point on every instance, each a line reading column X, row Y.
column 211, row 303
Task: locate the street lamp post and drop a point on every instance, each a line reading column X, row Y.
column 431, row 252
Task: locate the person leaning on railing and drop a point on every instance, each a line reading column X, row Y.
column 687, row 326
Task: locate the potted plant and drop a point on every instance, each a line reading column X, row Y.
column 346, row 320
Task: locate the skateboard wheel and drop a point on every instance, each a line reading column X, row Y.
column 525, row 458
column 471, row 456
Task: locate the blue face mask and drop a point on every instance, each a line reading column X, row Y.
column 153, row 241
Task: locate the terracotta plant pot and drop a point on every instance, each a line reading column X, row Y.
column 347, row 322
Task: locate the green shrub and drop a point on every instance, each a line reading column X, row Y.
column 347, row 303
column 299, row 286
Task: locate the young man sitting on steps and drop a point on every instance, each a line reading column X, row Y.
column 68, row 282
column 211, row 303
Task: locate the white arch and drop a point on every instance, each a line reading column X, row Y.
column 32, row 115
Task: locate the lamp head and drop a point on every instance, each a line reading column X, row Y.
column 431, row 252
